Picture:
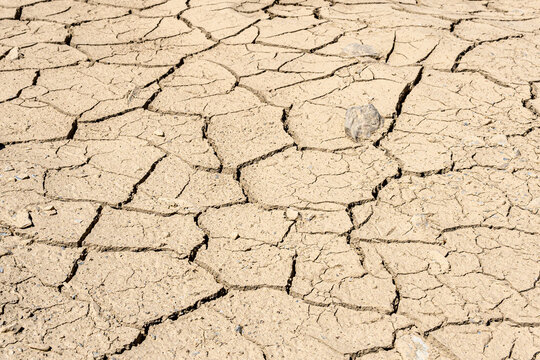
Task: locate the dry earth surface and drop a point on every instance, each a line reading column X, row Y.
column 176, row 182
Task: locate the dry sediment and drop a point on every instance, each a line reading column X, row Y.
column 176, row 183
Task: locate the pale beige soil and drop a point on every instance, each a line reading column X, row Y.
column 176, row 181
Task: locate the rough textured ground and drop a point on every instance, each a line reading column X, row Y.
column 176, row 182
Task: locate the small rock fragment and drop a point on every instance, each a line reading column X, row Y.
column 50, row 210
column 362, row 121
column 39, row 347
column 413, row 347
column 421, row 349
column 9, row 168
column 132, row 94
column 239, row 329
column 355, row 49
column 23, row 220
column 13, row 54
column 291, row 214
column 22, row 177
column 159, row 133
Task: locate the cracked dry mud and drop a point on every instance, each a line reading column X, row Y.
column 176, row 181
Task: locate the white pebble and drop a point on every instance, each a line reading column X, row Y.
column 291, row 214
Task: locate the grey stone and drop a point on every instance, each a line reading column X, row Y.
column 362, row 121
column 356, row 49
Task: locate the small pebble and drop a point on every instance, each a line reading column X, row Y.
column 356, row 49
column 159, row 133
column 362, row 121
column 132, row 94
column 13, row 54
column 291, row 214
column 1, row 270
column 239, row 329
column 9, row 168
column 39, row 347
column 51, row 210
column 23, row 220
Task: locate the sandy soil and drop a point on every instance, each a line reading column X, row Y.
column 176, row 181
